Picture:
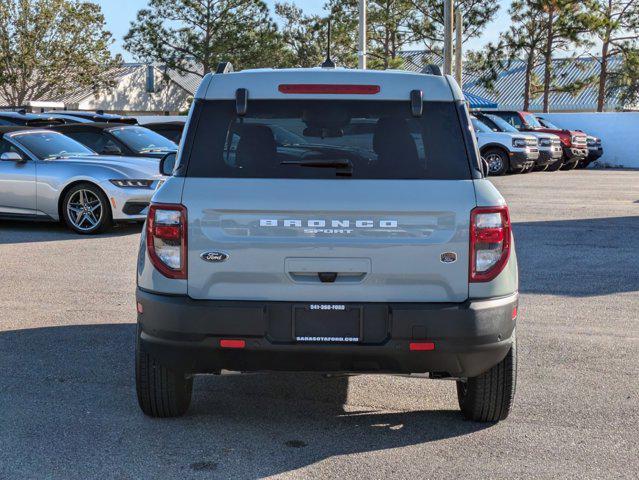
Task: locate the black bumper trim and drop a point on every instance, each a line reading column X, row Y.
column 521, row 160
column 469, row 337
column 546, row 158
column 572, row 153
column 134, row 208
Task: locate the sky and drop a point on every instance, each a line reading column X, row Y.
column 120, row 13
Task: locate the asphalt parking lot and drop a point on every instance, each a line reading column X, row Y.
column 67, row 398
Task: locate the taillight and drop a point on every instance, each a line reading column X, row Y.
column 328, row 89
column 489, row 242
column 166, row 239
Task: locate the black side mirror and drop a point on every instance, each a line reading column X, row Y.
column 485, row 167
column 167, row 164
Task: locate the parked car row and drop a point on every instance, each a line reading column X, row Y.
column 87, row 171
column 519, row 142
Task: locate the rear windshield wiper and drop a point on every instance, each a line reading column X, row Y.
column 344, row 167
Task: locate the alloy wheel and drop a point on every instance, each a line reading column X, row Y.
column 495, row 162
column 85, row 210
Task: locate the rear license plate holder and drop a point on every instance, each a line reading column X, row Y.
column 327, row 323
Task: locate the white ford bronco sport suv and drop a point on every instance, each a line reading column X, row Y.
column 504, row 151
column 327, row 220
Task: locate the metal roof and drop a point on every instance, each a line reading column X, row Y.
column 508, row 92
column 476, row 101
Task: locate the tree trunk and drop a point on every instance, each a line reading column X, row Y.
column 603, row 75
column 550, row 34
column 530, row 63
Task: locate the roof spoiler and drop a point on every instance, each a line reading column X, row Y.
column 224, row 67
column 432, row 69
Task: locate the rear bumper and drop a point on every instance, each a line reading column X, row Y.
column 469, row 338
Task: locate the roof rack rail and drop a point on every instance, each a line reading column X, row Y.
column 224, row 67
column 432, row 69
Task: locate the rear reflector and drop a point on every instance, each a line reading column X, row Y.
column 514, row 313
column 421, row 346
column 327, row 89
column 226, row 343
column 140, row 308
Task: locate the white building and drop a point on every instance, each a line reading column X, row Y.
column 137, row 89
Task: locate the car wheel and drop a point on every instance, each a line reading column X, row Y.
column 570, row 165
column 86, row 209
column 582, row 164
column 553, row 167
column 497, row 161
column 489, row 396
column 162, row 392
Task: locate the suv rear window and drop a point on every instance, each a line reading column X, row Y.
column 328, row 139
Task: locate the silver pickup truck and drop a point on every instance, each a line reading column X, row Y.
column 327, row 220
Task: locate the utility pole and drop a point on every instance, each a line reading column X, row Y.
column 448, row 37
column 361, row 54
column 459, row 30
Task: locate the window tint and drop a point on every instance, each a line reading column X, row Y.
column 173, row 134
column 548, row 124
column 325, row 139
column 532, row 120
column 49, row 145
column 498, row 124
column 513, row 119
column 480, row 126
column 98, row 142
column 143, row 140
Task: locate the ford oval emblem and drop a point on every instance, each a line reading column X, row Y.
column 214, row 257
column 448, row 257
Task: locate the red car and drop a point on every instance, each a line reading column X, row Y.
column 574, row 143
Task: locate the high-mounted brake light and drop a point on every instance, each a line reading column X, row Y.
column 166, row 240
column 489, row 242
column 328, row 89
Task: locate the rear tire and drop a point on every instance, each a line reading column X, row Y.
column 541, row 169
column 489, row 396
column 162, row 392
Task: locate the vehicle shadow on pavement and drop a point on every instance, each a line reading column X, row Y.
column 12, row 232
column 68, row 405
column 578, row 258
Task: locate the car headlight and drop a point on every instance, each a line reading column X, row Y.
column 126, row 183
column 545, row 142
column 519, row 142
